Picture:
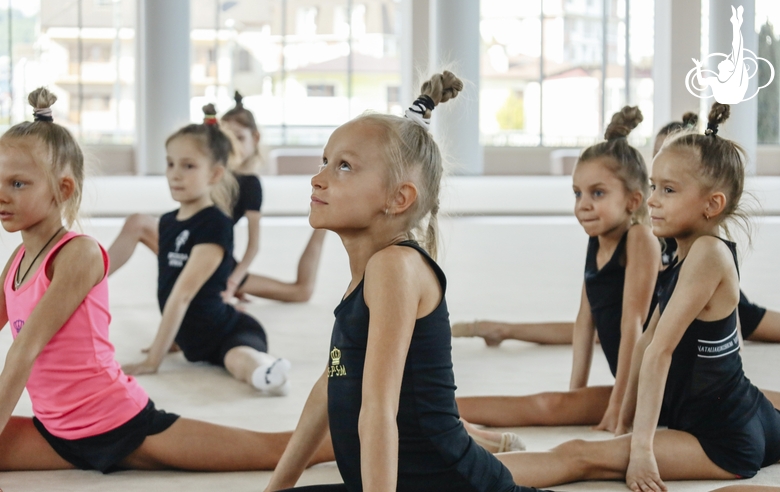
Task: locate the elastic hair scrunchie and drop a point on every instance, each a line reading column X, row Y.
column 416, row 112
column 42, row 114
column 712, row 129
column 210, row 119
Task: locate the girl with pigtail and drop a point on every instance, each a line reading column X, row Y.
column 140, row 228
column 195, row 261
column 387, row 391
column 89, row 414
column 610, row 185
column 687, row 363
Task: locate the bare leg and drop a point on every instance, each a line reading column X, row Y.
column 773, row 397
column 22, row 447
column 138, row 228
column 678, row 454
column 768, row 329
column 194, row 445
column 748, row 488
column 298, row 291
column 585, row 406
column 241, row 362
column 495, row 332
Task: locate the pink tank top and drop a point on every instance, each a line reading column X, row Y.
column 76, row 386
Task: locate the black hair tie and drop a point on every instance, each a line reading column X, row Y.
column 712, row 129
column 43, row 114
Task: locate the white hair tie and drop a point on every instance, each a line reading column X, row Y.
column 42, row 114
column 416, row 112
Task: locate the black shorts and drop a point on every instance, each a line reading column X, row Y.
column 750, row 315
column 746, row 450
column 319, row 488
column 247, row 333
column 104, row 452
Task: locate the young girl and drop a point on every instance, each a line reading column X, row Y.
column 88, row 413
column 687, row 362
column 610, row 185
column 387, row 392
column 195, row 260
column 756, row 323
column 143, row 229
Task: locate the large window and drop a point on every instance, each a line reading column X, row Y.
column 767, row 24
column 554, row 71
column 303, row 66
column 84, row 50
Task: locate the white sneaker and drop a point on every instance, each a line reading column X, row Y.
column 272, row 376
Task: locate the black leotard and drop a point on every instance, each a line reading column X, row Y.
column 750, row 315
column 435, row 452
column 708, row 395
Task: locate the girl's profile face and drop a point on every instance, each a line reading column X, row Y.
column 350, row 190
column 190, row 171
column 677, row 202
column 602, row 203
column 26, row 197
column 246, row 138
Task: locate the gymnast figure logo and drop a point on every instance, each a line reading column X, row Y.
column 730, row 84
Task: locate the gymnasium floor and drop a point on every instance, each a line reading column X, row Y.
column 508, row 268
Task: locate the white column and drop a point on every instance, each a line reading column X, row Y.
column 677, row 40
column 415, row 15
column 162, row 79
column 742, row 125
column 454, row 45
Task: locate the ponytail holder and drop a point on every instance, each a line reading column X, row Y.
column 712, row 129
column 42, row 114
column 416, row 112
column 210, row 120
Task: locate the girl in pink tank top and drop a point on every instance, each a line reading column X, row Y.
column 88, row 413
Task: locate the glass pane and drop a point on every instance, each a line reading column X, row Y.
column 767, row 22
column 510, row 98
column 303, row 67
column 642, row 31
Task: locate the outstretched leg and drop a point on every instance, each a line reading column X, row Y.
column 768, row 329
column 22, row 447
column 138, row 228
column 585, row 406
column 261, row 370
column 200, row 446
column 678, row 454
column 298, row 291
column 495, row 332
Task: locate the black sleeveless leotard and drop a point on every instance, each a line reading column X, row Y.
column 750, row 315
column 604, row 289
column 435, row 452
column 708, row 395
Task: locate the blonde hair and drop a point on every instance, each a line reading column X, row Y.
column 216, row 144
column 64, row 156
column 624, row 160
column 721, row 164
column 412, row 154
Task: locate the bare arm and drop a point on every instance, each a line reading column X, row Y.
column 708, row 270
column 308, row 436
column 201, row 265
column 252, row 248
column 582, row 344
column 76, row 269
column 643, row 259
column 628, row 408
column 399, row 288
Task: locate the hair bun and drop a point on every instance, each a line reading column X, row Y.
column 623, row 122
column 41, row 98
column 719, row 113
column 209, row 110
column 690, row 119
column 239, row 100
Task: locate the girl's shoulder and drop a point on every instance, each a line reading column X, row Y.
column 641, row 240
column 713, row 250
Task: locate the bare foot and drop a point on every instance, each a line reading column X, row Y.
column 492, row 335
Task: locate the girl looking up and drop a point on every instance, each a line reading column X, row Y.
column 387, row 391
column 195, row 261
column 88, row 413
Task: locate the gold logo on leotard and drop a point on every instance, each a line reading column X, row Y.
column 335, row 368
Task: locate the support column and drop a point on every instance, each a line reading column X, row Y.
column 454, row 45
column 162, row 79
column 415, row 15
column 742, row 125
column 677, row 40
